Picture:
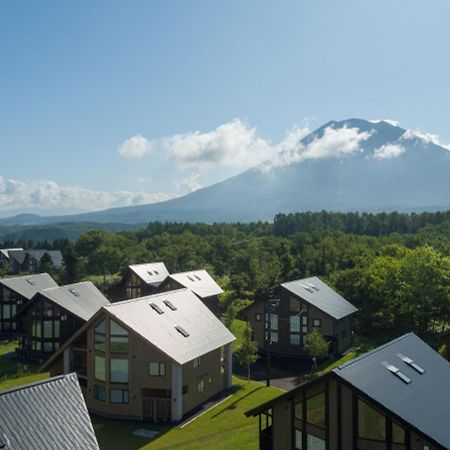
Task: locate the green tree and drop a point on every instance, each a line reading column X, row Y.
column 317, row 346
column 46, row 264
column 247, row 353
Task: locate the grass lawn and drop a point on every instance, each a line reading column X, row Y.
column 223, row 427
column 14, row 372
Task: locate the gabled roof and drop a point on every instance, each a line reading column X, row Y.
column 5, row 251
column 198, row 281
column 28, row 285
column 81, row 299
column 50, row 415
column 20, row 256
column 321, row 296
column 424, row 401
column 421, row 399
column 151, row 273
column 206, row 332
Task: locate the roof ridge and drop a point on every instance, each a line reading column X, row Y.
column 147, row 297
column 372, row 352
column 146, row 264
column 30, row 275
column 38, row 383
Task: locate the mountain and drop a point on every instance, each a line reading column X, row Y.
column 342, row 166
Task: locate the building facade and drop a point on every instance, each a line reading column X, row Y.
column 153, row 358
column 393, row 398
column 14, row 294
column 299, row 307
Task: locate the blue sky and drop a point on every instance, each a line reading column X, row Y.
column 115, row 102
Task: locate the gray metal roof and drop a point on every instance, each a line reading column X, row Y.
column 28, row 285
column 151, row 273
column 19, row 255
column 198, row 281
column 5, row 251
column 48, row 415
column 424, row 402
column 206, row 332
column 320, row 295
column 82, row 299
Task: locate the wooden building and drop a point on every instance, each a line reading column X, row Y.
column 53, row 315
column 14, row 294
column 299, row 307
column 30, row 260
column 5, row 258
column 152, row 358
column 140, row 280
column 395, row 397
column 200, row 282
column 50, row 414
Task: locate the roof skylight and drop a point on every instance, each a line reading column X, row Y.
column 157, row 308
column 156, row 272
column 170, row 305
column 313, row 286
column 198, row 278
column 150, row 272
column 192, row 279
column 412, row 364
column 307, row 288
column 397, row 372
column 30, row 281
column 74, row 292
column 182, row 331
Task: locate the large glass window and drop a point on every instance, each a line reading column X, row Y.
column 99, row 337
column 119, row 370
column 299, row 410
column 118, row 338
column 200, row 386
column 118, row 395
column 315, row 410
column 298, row 440
column 315, row 443
column 48, row 328
column 157, row 369
column 36, row 328
column 99, row 369
column 398, row 434
column 371, row 423
column 99, row 392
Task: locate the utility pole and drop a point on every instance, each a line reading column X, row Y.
column 270, row 297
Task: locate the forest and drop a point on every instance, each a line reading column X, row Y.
column 394, row 267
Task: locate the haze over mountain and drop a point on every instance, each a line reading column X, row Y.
column 351, row 165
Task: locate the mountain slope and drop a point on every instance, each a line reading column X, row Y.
column 348, row 165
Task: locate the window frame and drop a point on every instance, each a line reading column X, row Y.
column 161, row 373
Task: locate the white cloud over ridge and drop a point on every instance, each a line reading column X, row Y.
column 428, row 138
column 47, row 194
column 190, row 183
column 388, row 151
column 135, row 147
column 394, row 123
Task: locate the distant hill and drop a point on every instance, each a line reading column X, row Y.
column 389, row 169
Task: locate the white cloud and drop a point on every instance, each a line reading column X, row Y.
column 394, row 123
column 190, row 183
column 47, row 194
column 428, row 138
column 388, row 151
column 135, row 147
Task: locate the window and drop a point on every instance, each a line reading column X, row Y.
column 200, row 386
column 36, row 328
column 298, row 410
column 371, row 423
column 118, row 338
column 48, row 329
column 157, row 308
column 198, row 361
column 182, row 331
column 170, row 305
column 119, row 370
column 294, row 323
column 185, row 389
column 315, row 410
column 258, row 317
column 99, row 392
column 99, row 337
column 157, row 369
column 294, row 305
column 398, row 434
column 99, row 363
column 56, row 330
column 298, row 440
column 210, row 380
column 48, row 347
column 315, row 443
column 118, row 395
column 295, row 339
column 317, row 323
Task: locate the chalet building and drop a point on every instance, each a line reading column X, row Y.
column 30, row 260
column 141, row 280
column 395, row 397
column 302, row 306
column 4, row 256
column 49, row 414
column 53, row 315
column 151, row 358
column 15, row 293
column 199, row 282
